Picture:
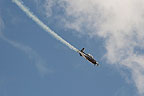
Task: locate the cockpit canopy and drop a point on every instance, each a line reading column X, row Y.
column 90, row 55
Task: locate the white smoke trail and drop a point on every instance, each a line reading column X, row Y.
column 41, row 24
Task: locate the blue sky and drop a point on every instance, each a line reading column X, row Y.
column 33, row 63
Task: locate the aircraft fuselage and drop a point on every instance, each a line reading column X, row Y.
column 88, row 57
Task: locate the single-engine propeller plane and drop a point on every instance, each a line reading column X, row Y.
column 88, row 57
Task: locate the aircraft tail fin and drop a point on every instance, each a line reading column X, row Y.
column 82, row 50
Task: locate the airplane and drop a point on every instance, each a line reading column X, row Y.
column 88, row 57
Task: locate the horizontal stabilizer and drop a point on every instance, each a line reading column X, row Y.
column 82, row 49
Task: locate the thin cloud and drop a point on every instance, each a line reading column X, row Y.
column 1, row 26
column 41, row 64
column 119, row 22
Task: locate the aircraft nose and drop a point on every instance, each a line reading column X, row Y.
column 94, row 62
